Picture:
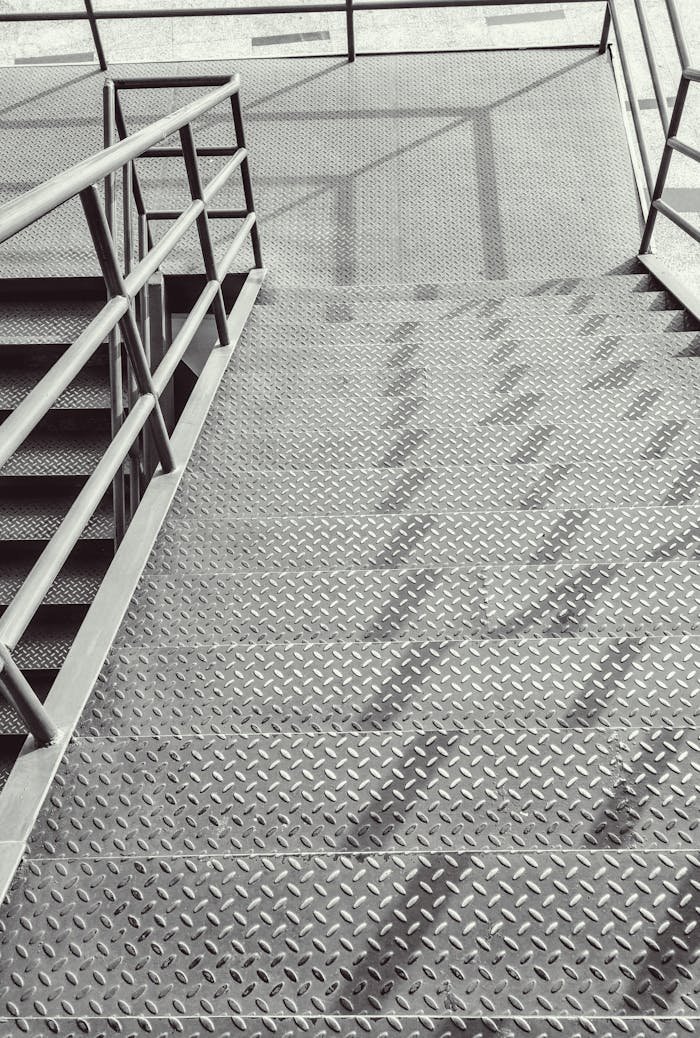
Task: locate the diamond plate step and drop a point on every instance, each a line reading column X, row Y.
column 351, row 391
column 88, row 391
column 443, row 791
column 365, row 1026
column 45, row 644
column 61, row 454
column 640, row 288
column 428, row 539
column 510, row 440
column 525, row 683
column 604, row 599
column 640, row 311
column 35, row 517
column 76, row 584
column 228, row 488
column 47, row 322
column 534, row 324
column 320, row 349
column 460, row 933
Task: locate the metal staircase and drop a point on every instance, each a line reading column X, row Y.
column 383, row 718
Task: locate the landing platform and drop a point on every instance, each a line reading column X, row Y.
column 402, row 168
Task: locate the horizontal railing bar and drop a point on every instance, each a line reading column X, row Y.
column 693, row 74
column 681, row 147
column 675, row 217
column 30, row 207
column 176, row 153
column 117, row 14
column 166, row 368
column 143, row 270
column 30, row 596
column 166, row 82
column 213, row 214
column 25, row 417
column 221, row 176
column 235, row 246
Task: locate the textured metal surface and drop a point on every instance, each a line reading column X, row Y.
column 399, row 686
column 242, row 492
column 387, row 541
column 444, row 1026
column 450, row 791
column 76, row 584
column 459, row 933
column 36, row 517
column 357, row 202
column 606, row 312
column 317, row 350
column 89, row 390
column 33, row 322
column 607, row 599
column 60, row 454
column 45, row 644
column 628, row 290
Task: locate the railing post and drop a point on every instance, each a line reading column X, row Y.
column 245, row 176
column 25, row 700
column 114, row 281
column 350, row 28
column 673, row 128
column 189, row 152
column 116, row 387
column 605, row 35
column 97, row 39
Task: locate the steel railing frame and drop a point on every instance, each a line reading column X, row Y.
column 118, row 322
column 346, row 7
column 670, row 124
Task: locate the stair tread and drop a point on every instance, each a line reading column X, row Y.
column 58, row 454
column 88, row 391
column 45, row 644
column 50, row 322
column 302, row 542
column 531, row 682
column 406, row 778
column 603, row 286
column 490, row 601
column 36, row 517
column 606, row 483
column 76, row 584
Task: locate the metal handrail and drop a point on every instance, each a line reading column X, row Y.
column 118, row 315
column 347, row 7
column 655, row 185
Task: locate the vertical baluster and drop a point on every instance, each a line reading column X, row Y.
column 116, row 388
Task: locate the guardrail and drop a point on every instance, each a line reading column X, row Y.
column 119, row 314
column 346, row 7
column 670, row 123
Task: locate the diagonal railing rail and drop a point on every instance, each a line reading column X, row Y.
column 119, row 316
